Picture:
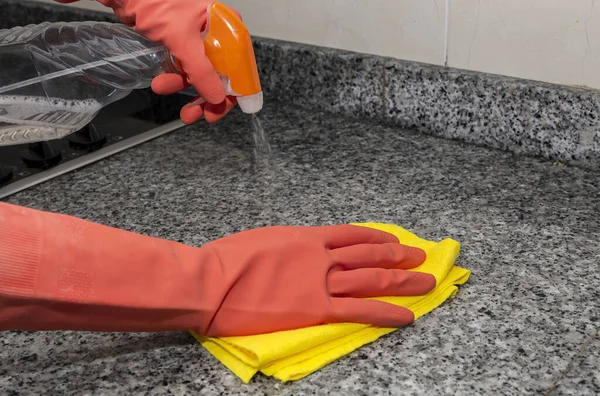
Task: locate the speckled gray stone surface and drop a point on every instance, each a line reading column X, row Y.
column 519, row 116
column 582, row 377
column 515, row 115
column 529, row 232
column 524, row 117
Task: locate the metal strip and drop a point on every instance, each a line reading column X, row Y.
column 89, row 158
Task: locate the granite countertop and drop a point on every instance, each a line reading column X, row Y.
column 525, row 323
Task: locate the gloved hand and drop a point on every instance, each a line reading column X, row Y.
column 282, row 278
column 62, row 273
column 178, row 24
column 116, row 5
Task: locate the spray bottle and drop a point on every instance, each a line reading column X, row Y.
column 56, row 77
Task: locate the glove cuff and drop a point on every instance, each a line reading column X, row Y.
column 63, row 273
column 20, row 241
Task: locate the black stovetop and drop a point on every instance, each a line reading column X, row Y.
column 133, row 120
column 137, row 118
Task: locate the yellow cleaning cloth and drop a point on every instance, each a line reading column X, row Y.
column 291, row 355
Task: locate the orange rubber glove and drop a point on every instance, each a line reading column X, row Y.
column 178, row 24
column 62, row 273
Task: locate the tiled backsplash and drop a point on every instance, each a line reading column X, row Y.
column 554, row 41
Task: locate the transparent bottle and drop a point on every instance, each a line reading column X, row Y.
column 56, row 77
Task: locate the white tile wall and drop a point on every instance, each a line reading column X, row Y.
column 406, row 29
column 549, row 40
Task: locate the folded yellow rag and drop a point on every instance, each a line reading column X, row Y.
column 291, row 355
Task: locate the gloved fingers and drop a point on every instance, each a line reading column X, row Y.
column 372, row 312
column 198, row 69
column 213, row 113
column 107, row 3
column 386, row 255
column 124, row 17
column 191, row 113
column 377, row 282
column 169, row 83
column 339, row 236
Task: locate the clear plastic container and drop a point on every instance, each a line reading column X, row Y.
column 56, row 77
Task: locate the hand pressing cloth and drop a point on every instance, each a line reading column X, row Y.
column 294, row 354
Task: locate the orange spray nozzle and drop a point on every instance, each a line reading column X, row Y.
column 228, row 45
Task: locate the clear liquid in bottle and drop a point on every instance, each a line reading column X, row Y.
column 56, row 77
